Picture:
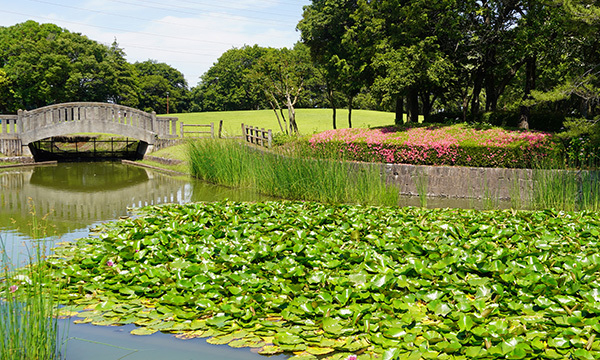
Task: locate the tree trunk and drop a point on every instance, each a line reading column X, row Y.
column 291, row 115
column 399, row 111
column 530, row 70
column 476, row 93
column 333, row 115
column 278, row 119
column 427, row 105
column 412, row 102
column 350, row 102
column 491, row 98
column 333, row 107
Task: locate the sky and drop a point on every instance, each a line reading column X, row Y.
column 187, row 35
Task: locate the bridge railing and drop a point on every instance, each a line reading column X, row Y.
column 167, row 126
column 8, row 127
column 55, row 114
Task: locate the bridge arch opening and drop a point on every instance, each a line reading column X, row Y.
column 96, row 147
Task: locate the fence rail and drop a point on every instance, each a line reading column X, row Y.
column 196, row 130
column 199, row 127
column 257, row 136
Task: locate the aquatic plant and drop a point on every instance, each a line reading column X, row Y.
column 297, row 178
column 28, row 309
column 342, row 280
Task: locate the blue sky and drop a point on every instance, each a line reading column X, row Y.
column 188, row 35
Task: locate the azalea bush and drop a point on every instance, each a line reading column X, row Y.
column 459, row 144
column 332, row 281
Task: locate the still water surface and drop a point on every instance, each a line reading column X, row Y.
column 72, row 197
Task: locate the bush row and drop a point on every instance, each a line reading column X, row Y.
column 454, row 155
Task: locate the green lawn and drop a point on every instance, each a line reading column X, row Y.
column 309, row 120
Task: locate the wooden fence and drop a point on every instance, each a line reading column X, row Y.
column 196, row 130
column 257, row 136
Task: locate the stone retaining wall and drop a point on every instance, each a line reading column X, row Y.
column 459, row 182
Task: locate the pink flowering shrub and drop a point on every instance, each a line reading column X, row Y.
column 436, row 145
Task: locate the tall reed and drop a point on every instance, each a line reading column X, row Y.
column 28, row 311
column 568, row 190
column 296, row 178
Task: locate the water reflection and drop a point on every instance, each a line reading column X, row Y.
column 75, row 195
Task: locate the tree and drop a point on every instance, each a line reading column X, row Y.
column 338, row 46
column 5, row 92
column 156, row 81
column 47, row 64
column 226, row 85
column 283, row 74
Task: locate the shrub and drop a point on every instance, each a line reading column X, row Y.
column 436, row 145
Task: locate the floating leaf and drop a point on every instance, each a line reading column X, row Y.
column 270, row 350
column 143, row 331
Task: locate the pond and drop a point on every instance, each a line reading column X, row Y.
column 72, row 197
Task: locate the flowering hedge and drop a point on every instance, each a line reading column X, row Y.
column 436, row 145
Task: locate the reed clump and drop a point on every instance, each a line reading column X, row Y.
column 28, row 311
column 292, row 177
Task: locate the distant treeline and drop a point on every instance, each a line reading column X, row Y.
column 520, row 63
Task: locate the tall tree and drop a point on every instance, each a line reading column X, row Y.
column 156, row 82
column 47, row 64
column 283, row 74
column 227, row 86
column 338, row 45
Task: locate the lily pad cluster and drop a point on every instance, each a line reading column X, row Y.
column 328, row 281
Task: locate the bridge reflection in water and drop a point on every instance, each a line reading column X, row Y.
column 76, row 195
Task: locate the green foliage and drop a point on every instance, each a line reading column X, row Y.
column 581, row 143
column 340, row 279
column 28, row 308
column 288, row 176
column 226, row 85
column 156, row 81
column 46, row 64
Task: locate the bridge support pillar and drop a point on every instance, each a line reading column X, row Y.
column 142, row 148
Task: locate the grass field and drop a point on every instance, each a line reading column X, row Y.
column 309, row 120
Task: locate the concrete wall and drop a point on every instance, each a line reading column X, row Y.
column 459, row 182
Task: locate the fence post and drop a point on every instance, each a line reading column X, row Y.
column 244, row 132
column 270, row 137
column 181, row 127
column 220, row 128
column 212, row 130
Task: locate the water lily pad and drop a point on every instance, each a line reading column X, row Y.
column 143, row 331
column 270, row 350
column 319, row 350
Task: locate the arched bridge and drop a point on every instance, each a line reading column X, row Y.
column 18, row 131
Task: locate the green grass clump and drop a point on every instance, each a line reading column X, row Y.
column 28, row 311
column 232, row 164
column 568, row 190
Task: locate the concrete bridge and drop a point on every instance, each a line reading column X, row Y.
column 17, row 132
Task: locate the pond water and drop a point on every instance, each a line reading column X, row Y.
column 72, row 197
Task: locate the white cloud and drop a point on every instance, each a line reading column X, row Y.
column 189, row 36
